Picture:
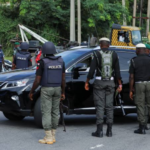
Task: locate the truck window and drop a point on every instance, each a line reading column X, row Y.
column 121, row 36
column 136, row 37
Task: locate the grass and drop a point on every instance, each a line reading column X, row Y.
column 9, row 58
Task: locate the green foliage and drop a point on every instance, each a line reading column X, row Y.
column 7, row 32
column 51, row 18
column 102, row 14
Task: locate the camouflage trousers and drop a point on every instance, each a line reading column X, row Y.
column 50, row 100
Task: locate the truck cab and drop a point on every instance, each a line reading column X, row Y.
column 126, row 37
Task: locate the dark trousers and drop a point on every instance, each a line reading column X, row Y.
column 142, row 101
column 103, row 93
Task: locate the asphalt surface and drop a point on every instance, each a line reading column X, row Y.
column 24, row 135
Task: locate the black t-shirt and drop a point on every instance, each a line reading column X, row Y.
column 29, row 58
column 95, row 65
column 139, row 66
column 40, row 68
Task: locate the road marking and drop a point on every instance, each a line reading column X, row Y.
column 97, row 146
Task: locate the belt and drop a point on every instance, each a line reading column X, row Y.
column 100, row 78
column 142, row 81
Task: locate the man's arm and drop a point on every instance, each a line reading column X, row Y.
column 131, row 86
column 37, row 80
column 14, row 63
column 131, row 78
column 117, row 72
column 35, row 85
column 93, row 67
column 63, row 83
column 30, row 61
column 3, row 62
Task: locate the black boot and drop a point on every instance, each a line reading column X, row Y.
column 109, row 130
column 99, row 131
column 141, row 130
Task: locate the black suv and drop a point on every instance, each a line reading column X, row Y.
column 16, row 85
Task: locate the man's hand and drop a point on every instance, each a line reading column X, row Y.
column 31, row 96
column 119, row 89
column 131, row 95
column 62, row 97
column 86, row 86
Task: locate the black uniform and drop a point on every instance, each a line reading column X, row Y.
column 94, row 65
column 140, row 68
column 103, row 91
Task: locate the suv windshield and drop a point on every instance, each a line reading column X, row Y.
column 136, row 37
column 70, row 56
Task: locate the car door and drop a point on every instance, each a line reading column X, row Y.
column 124, row 61
column 80, row 97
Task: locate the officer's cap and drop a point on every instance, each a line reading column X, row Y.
column 17, row 43
column 140, row 45
column 24, row 45
column 48, row 48
column 104, row 39
column 147, row 46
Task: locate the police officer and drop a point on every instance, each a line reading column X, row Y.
column 1, row 58
column 50, row 75
column 140, row 77
column 16, row 49
column 106, row 63
column 22, row 58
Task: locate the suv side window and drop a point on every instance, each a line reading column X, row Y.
column 87, row 60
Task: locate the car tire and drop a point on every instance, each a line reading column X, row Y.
column 13, row 117
column 37, row 113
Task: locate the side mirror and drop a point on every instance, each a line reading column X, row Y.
column 127, row 37
column 80, row 67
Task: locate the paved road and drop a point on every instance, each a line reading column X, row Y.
column 24, row 135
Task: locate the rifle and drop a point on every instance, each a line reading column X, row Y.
column 120, row 102
column 61, row 108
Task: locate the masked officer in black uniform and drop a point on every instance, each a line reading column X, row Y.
column 140, row 77
column 50, row 75
column 22, row 58
column 107, row 65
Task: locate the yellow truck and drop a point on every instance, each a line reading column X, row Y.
column 126, row 37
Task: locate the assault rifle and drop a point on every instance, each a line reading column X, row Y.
column 61, row 108
column 120, row 102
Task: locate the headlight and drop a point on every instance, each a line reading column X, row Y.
column 12, row 84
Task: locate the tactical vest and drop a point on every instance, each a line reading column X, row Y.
column 52, row 75
column 1, row 56
column 106, row 69
column 22, row 60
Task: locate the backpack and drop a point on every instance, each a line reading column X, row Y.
column 106, row 64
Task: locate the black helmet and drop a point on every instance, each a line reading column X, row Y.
column 48, row 48
column 24, row 45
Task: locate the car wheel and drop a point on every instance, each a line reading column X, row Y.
column 13, row 117
column 37, row 113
